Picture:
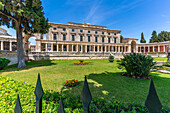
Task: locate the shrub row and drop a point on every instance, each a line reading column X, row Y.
column 10, row 88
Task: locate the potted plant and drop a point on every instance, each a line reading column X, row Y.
column 111, row 58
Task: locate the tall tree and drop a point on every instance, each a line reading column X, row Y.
column 142, row 38
column 154, row 37
column 24, row 16
column 121, row 38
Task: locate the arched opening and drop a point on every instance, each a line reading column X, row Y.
column 32, row 44
column 133, row 47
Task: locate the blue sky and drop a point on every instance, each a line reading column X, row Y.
column 130, row 16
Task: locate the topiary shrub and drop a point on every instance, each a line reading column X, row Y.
column 137, row 65
column 3, row 63
column 111, row 58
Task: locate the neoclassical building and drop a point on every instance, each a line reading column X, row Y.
column 82, row 38
column 87, row 38
column 7, row 42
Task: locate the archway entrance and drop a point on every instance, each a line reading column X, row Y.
column 133, row 47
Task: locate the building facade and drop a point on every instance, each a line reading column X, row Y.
column 76, row 37
column 81, row 38
column 87, row 38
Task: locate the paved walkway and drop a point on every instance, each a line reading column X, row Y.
column 162, row 71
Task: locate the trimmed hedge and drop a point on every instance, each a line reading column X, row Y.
column 50, row 102
column 3, row 63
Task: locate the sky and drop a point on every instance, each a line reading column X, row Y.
column 132, row 17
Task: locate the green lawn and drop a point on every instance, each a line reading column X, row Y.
column 160, row 58
column 104, row 79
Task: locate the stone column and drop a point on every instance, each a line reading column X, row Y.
column 67, row 47
column 51, row 46
column 158, row 48
column 112, row 49
column 140, row 49
column 144, row 48
column 153, row 48
column 109, row 48
column 119, row 49
column 85, row 48
column 116, row 49
column 81, row 48
column 10, row 46
column 77, row 48
column 148, row 49
column 46, row 48
column 2, row 45
column 94, row 49
column 72, row 47
column 98, row 48
column 62, row 48
column 57, row 47
column 125, row 49
column 105, row 48
column 163, row 48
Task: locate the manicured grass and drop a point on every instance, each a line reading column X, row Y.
column 160, row 58
column 104, row 79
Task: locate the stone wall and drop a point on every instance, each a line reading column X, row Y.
column 12, row 56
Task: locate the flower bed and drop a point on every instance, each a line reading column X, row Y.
column 82, row 62
column 71, row 83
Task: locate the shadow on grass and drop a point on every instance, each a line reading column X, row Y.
column 110, row 85
column 29, row 65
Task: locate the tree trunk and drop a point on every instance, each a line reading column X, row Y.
column 20, row 47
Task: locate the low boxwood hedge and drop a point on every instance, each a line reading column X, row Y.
column 72, row 104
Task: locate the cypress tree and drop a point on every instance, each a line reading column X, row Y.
column 142, row 38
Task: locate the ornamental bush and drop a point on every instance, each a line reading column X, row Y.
column 111, row 58
column 82, row 62
column 3, row 63
column 137, row 65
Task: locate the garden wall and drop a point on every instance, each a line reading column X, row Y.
column 12, row 56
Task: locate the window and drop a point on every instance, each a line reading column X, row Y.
column 64, row 29
column 88, row 38
column 108, row 33
column 72, row 30
column 88, row 31
column 95, row 48
column 81, row 30
column 54, row 36
column 54, row 48
column 114, row 33
column 64, row 37
column 103, row 33
column 54, row 28
column 95, row 39
column 108, row 40
column 73, row 38
column 114, row 40
column 95, row 32
column 81, row 38
column 102, row 39
column 74, row 48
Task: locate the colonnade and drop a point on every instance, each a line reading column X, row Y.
column 152, row 48
column 83, row 48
